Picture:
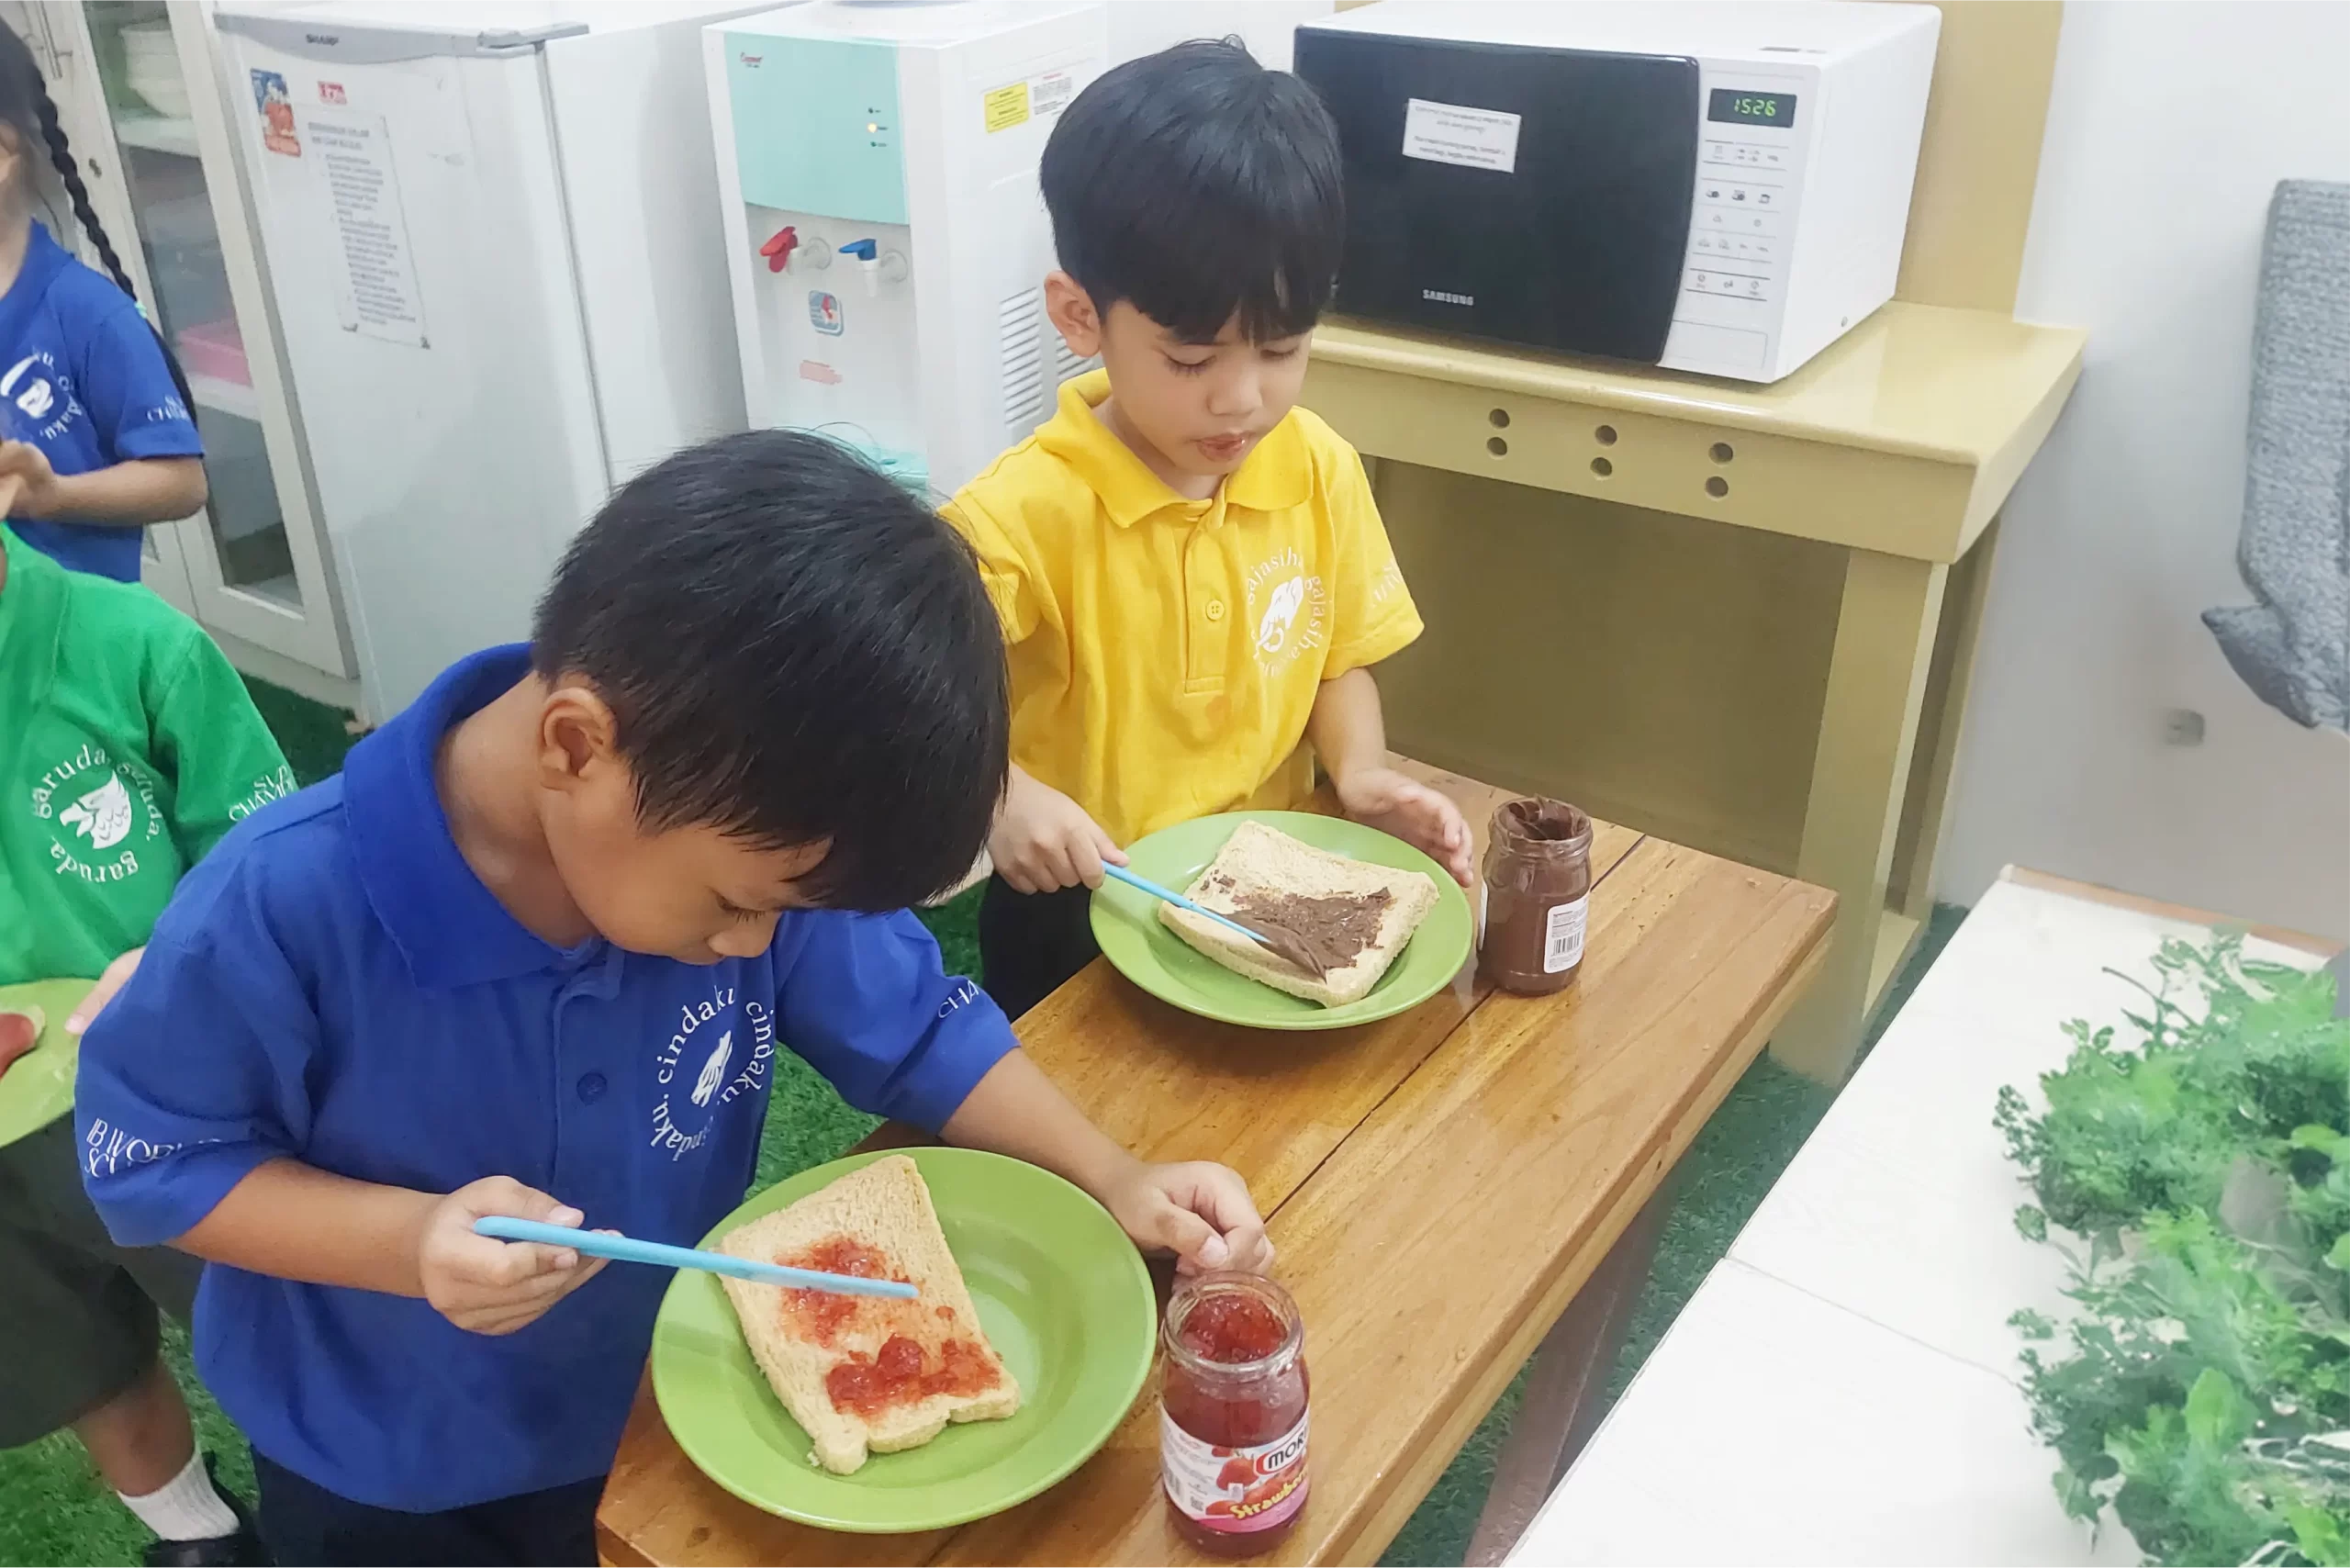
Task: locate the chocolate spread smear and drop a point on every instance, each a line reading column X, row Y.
column 1317, row 934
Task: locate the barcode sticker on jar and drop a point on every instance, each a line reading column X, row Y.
column 1562, row 936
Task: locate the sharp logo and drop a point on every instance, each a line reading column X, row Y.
column 1438, row 297
column 753, row 61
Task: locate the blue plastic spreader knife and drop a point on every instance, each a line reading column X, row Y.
column 1119, row 873
column 626, row 1250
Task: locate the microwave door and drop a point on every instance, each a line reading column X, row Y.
column 1534, row 196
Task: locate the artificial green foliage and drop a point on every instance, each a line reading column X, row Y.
column 2201, row 1392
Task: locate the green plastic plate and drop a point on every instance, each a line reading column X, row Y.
column 39, row 1088
column 1126, row 924
column 1062, row 1294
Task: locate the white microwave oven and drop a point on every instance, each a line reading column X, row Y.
column 1713, row 187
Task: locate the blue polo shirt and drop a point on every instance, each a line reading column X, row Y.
column 84, row 379
column 332, row 984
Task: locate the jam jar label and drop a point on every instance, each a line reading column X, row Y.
column 1562, row 936
column 1239, row 1490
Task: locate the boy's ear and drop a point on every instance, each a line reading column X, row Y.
column 577, row 737
column 1070, row 310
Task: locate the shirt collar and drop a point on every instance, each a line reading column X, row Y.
column 449, row 927
column 44, row 258
column 1277, row 475
column 32, row 619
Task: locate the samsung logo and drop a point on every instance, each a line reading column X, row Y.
column 1437, row 297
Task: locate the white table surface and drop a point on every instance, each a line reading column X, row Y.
column 1843, row 1388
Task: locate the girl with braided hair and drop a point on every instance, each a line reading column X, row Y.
column 101, row 439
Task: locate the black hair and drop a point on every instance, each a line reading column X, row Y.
column 27, row 108
column 1195, row 186
column 796, row 650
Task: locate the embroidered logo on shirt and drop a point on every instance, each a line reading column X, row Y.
column 684, row 1113
column 94, row 806
column 102, row 816
column 267, row 788
column 38, row 394
column 1288, row 610
column 713, row 1071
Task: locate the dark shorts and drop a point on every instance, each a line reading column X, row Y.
column 1033, row 944
column 77, row 1313
column 303, row 1522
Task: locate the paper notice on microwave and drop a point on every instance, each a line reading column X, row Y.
column 1453, row 133
column 375, row 290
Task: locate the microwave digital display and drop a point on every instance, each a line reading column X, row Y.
column 1734, row 107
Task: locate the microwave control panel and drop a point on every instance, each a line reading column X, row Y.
column 1741, row 221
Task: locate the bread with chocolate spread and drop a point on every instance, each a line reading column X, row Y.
column 1348, row 919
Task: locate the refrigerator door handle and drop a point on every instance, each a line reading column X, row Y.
column 314, row 39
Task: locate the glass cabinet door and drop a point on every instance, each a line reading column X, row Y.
column 254, row 561
column 151, row 105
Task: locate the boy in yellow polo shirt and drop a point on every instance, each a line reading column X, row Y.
column 1190, row 571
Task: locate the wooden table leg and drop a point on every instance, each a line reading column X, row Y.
column 1560, row 1408
column 1860, row 778
column 1942, row 725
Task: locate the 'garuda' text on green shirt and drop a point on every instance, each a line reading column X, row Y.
column 128, row 748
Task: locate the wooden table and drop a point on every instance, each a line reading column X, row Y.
column 1440, row 1186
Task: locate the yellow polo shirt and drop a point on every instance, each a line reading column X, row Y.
column 1164, row 653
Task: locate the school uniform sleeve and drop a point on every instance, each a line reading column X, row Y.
column 205, row 732
column 128, row 389
column 1372, row 613
column 863, row 1000
column 1004, row 567
column 193, row 1075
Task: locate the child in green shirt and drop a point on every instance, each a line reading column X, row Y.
column 128, row 749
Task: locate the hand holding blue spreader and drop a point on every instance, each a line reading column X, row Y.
column 625, row 1249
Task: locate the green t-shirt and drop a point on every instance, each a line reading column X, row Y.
column 127, row 748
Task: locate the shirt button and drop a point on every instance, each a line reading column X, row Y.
column 1215, row 609
column 591, row 1088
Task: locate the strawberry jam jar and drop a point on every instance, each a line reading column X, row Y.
column 1232, row 1424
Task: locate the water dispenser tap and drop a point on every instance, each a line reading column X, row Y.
column 869, row 262
column 778, row 248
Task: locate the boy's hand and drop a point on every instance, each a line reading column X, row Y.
column 1043, row 840
column 1395, row 803
column 496, row 1287
column 1200, row 1212
column 36, row 480
column 117, row 974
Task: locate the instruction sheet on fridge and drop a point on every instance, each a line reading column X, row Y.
column 375, row 289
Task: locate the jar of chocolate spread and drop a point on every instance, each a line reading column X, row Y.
column 1537, row 893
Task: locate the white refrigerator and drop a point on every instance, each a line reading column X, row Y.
column 492, row 243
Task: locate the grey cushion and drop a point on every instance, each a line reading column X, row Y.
column 2293, row 648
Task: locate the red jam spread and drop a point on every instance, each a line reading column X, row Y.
column 1233, row 1426
column 819, row 1316
column 915, row 1352
column 904, row 1373
column 1230, row 1328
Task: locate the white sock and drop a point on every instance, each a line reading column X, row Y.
column 185, row 1507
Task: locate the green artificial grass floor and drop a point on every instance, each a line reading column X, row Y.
column 53, row 1509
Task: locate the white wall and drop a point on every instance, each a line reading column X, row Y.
column 2169, row 128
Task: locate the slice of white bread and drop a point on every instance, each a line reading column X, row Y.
column 1258, row 858
column 884, row 1206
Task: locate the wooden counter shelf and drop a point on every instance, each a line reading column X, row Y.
column 1878, row 470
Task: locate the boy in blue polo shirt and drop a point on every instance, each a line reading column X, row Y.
column 533, row 954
